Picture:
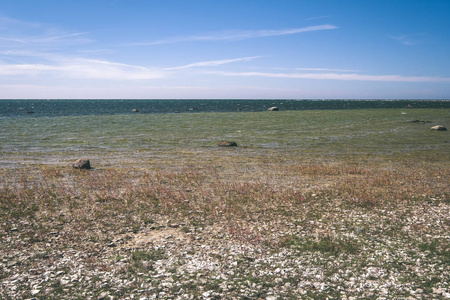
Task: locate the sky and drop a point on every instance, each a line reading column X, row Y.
column 225, row 49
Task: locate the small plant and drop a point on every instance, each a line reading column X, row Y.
column 438, row 247
column 326, row 244
column 151, row 255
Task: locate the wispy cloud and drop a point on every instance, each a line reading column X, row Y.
column 97, row 51
column 32, row 51
column 315, row 18
column 409, row 39
column 214, row 62
column 8, row 23
column 324, row 69
column 17, row 33
column 82, row 68
column 54, row 39
column 238, row 35
column 16, row 40
column 337, row 76
column 64, row 36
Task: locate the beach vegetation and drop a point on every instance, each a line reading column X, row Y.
column 311, row 203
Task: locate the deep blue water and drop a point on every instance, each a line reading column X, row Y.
column 51, row 108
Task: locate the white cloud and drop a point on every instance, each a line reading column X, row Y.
column 82, row 68
column 323, row 69
column 315, row 18
column 336, row 76
column 214, row 62
column 15, row 40
column 409, row 39
column 60, row 37
column 97, row 51
column 16, row 33
column 38, row 52
column 7, row 23
column 33, row 40
column 88, row 68
column 238, row 35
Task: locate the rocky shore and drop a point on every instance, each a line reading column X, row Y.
column 120, row 243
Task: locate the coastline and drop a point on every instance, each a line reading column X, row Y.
column 310, row 204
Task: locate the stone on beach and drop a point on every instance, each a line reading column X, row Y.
column 82, row 163
column 439, row 128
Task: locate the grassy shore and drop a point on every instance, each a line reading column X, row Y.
column 311, row 205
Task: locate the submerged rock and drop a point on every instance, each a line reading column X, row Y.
column 82, row 163
column 227, row 144
column 420, row 121
column 439, row 128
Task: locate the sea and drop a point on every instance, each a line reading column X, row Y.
column 34, row 132
column 80, row 107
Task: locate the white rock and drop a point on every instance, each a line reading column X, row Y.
column 35, row 292
column 207, row 294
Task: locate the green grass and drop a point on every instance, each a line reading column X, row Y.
column 331, row 245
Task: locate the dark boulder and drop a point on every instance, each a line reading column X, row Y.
column 227, row 144
column 420, row 121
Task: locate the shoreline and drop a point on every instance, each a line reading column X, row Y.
column 309, row 205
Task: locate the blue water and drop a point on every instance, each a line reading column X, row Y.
column 53, row 108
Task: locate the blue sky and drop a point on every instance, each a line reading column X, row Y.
column 225, row 49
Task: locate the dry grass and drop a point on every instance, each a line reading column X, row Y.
column 343, row 212
column 206, row 193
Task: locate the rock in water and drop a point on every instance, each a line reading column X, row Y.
column 273, row 108
column 439, row 128
column 227, row 144
column 82, row 163
column 135, row 110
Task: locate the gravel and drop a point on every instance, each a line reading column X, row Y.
column 217, row 261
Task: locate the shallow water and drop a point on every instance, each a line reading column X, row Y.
column 143, row 139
